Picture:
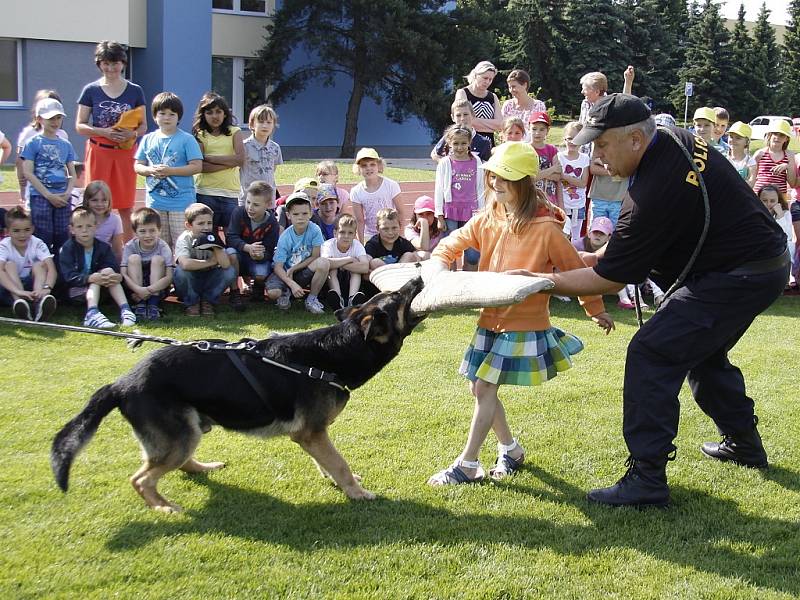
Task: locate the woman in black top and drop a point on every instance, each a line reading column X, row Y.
column 485, row 104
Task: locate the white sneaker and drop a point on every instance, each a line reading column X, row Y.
column 314, row 306
column 127, row 317
column 98, row 320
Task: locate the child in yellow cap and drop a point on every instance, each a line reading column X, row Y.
column 739, row 152
column 775, row 163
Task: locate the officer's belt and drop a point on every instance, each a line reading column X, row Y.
column 758, row 267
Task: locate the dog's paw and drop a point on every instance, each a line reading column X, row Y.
column 357, row 477
column 169, row 509
column 361, row 494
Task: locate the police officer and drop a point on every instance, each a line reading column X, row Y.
column 737, row 266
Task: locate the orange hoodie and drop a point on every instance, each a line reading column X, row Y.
column 540, row 247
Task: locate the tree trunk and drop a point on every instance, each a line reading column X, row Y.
column 351, row 120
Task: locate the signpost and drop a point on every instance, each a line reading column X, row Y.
column 688, row 90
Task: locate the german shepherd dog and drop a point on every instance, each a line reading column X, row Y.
column 173, row 394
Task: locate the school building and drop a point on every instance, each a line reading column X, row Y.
column 185, row 46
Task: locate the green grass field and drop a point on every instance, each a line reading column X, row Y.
column 268, row 526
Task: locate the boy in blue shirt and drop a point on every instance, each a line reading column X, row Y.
column 298, row 267
column 168, row 158
column 49, row 166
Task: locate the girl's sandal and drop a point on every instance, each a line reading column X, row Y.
column 505, row 465
column 454, row 475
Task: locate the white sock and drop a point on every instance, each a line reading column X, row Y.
column 505, row 449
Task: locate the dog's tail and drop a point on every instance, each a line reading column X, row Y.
column 77, row 433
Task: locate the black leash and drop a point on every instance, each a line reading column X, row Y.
column 135, row 339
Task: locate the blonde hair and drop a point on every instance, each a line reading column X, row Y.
column 462, row 104
column 572, row 128
column 595, row 80
column 98, row 185
column 527, row 199
column 482, row 67
column 194, row 210
column 260, row 113
column 324, row 166
column 345, row 220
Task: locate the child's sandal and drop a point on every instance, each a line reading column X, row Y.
column 454, row 475
column 505, row 465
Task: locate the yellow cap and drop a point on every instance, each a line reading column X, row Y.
column 513, row 161
column 704, row 112
column 367, row 153
column 741, row 129
column 305, row 182
column 780, row 126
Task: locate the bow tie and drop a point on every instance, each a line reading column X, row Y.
column 574, row 170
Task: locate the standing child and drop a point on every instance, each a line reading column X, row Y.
column 27, row 271
column 298, row 268
column 253, row 234
column 97, row 200
column 423, row 229
column 76, row 196
column 598, row 235
column 548, row 178
column 462, row 114
column 328, row 172
column 49, row 166
column 218, row 185
column 513, row 345
column 721, row 121
column 147, row 266
column 513, row 130
column 574, row 177
column 168, row 158
column 705, row 119
column 458, row 190
column 87, row 266
column 372, row 194
column 739, row 155
column 348, row 261
column 262, row 154
column 775, row 164
column 775, row 201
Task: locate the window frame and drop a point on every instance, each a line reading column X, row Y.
column 237, row 99
column 20, row 75
column 237, row 10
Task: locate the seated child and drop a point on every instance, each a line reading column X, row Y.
column 201, row 273
column 423, row 228
column 253, row 234
column 348, row 260
column 147, row 265
column 309, row 185
column 298, row 267
column 388, row 246
column 328, row 172
column 97, row 199
column 88, row 265
column 27, row 270
column 327, row 209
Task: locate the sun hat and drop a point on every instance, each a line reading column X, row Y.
column 513, row 161
column 610, row 112
column 47, row 108
column 424, row 204
column 704, row 112
column 297, row 197
column 539, row 117
column 367, row 153
column 326, row 192
column 602, row 224
column 304, row 183
column 741, row 129
column 780, row 126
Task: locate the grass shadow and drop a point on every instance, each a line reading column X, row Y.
column 694, row 533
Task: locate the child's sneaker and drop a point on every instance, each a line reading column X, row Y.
column 153, row 312
column 236, row 301
column 284, row 301
column 22, row 309
column 358, row 298
column 257, row 293
column 97, row 320
column 206, row 308
column 45, row 308
column 127, row 317
column 334, row 300
column 140, row 310
column 193, row 310
column 314, row 306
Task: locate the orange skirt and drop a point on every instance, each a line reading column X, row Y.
column 115, row 167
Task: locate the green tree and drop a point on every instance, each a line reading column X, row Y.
column 791, row 61
column 766, row 63
column 393, row 51
column 745, row 104
column 708, row 62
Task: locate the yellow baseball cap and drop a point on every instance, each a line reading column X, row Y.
column 741, row 129
column 704, row 112
column 305, row 182
column 513, row 161
column 367, row 153
column 780, row 126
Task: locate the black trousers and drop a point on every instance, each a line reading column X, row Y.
column 689, row 337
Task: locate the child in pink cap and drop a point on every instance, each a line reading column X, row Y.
column 423, row 228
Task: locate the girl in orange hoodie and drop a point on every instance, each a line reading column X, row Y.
column 514, row 345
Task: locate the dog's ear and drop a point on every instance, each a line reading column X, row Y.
column 344, row 313
column 376, row 326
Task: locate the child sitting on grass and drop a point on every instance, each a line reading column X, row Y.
column 27, row 271
column 97, row 200
column 147, row 265
column 423, row 229
column 348, row 261
column 87, row 266
column 388, row 247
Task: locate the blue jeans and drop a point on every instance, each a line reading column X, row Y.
column 254, row 268
column 222, row 207
column 193, row 286
column 6, row 299
column 471, row 256
column 606, row 208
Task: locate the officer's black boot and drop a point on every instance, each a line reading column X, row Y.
column 743, row 448
column 644, row 484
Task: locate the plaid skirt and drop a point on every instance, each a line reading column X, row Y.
column 519, row 357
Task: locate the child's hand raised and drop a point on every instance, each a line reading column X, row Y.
column 604, row 321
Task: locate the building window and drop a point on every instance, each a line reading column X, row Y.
column 246, row 7
column 10, row 72
column 230, row 79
